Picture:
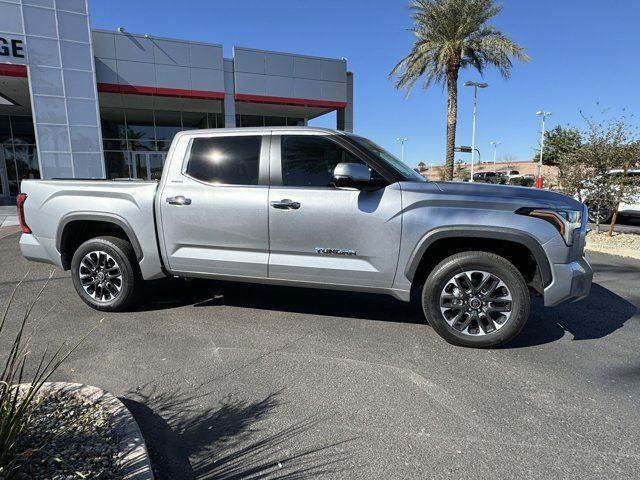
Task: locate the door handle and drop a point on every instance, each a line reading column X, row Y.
column 285, row 204
column 178, row 200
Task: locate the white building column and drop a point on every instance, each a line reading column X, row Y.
column 229, row 95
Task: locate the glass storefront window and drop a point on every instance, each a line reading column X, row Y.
column 251, row 121
column 5, row 129
column 129, row 134
column 22, row 130
column 26, row 161
column 275, row 121
column 139, row 125
column 167, row 125
column 216, row 120
column 140, row 164
column 113, row 123
column 11, row 171
column 266, row 121
column 194, row 120
column 113, row 144
column 156, row 163
column 116, row 165
column 135, row 145
column 17, row 152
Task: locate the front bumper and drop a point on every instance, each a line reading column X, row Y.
column 571, row 282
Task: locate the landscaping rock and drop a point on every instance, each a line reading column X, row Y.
column 621, row 244
column 79, row 431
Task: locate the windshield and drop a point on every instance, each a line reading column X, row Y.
column 398, row 165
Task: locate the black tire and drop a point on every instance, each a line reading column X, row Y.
column 441, row 276
column 122, row 252
column 605, row 213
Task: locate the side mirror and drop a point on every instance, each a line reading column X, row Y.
column 351, row 175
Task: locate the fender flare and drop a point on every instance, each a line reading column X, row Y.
column 99, row 217
column 474, row 231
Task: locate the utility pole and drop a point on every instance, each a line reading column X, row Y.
column 543, row 114
column 402, row 141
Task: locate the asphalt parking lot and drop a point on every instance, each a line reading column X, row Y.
column 235, row 381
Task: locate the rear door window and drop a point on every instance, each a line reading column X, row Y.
column 233, row 160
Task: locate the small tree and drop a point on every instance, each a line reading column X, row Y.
column 461, row 173
column 610, row 145
column 558, row 142
column 572, row 174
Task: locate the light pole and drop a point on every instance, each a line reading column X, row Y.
column 495, row 144
column 402, row 140
column 476, row 86
column 543, row 114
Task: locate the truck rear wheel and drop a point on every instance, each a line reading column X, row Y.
column 476, row 299
column 105, row 273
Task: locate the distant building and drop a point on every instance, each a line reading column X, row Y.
column 77, row 102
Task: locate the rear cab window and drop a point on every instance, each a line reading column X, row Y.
column 232, row 160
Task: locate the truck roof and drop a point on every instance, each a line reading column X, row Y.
column 264, row 129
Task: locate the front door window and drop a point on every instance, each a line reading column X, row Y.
column 309, row 161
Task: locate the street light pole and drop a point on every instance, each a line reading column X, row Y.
column 495, row 144
column 476, row 86
column 543, row 114
column 402, row 140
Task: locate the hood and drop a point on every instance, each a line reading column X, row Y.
column 495, row 194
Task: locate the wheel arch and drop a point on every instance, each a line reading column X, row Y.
column 76, row 228
column 520, row 248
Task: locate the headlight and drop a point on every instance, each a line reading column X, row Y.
column 565, row 221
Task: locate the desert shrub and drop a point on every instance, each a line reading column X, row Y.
column 17, row 404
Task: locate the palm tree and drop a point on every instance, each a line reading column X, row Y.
column 450, row 35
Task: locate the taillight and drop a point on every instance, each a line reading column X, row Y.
column 20, row 199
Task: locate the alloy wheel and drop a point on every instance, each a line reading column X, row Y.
column 476, row 302
column 100, row 276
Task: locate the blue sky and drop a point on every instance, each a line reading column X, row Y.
column 584, row 57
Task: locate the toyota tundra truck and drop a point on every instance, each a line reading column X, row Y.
column 311, row 207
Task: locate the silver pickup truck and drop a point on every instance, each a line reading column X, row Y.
column 310, row 207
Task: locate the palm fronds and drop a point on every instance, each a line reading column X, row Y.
column 450, row 35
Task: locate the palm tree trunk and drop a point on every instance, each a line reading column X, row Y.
column 452, row 119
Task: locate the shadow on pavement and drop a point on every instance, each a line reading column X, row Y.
column 187, row 441
column 202, row 293
column 597, row 316
column 600, row 314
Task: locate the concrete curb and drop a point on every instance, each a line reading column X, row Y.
column 134, row 455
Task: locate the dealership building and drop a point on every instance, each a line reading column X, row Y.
column 77, row 102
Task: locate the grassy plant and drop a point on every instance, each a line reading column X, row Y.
column 17, row 404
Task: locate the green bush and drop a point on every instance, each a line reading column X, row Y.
column 523, row 181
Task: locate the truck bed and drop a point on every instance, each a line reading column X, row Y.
column 52, row 205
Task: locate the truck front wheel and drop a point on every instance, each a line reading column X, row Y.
column 105, row 273
column 476, row 299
